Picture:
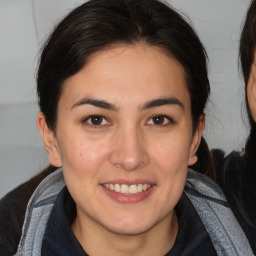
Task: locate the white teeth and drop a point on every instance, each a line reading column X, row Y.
column 126, row 189
column 133, row 189
column 117, row 188
column 140, row 188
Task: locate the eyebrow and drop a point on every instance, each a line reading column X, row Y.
column 97, row 103
column 150, row 104
column 161, row 102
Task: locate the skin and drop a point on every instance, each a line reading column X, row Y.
column 251, row 89
column 128, row 145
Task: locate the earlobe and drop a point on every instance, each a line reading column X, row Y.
column 49, row 140
column 196, row 140
column 251, row 91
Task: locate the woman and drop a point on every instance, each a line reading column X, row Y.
column 237, row 172
column 122, row 87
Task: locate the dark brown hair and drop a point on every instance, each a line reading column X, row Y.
column 246, row 54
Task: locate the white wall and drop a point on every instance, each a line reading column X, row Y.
column 25, row 23
column 218, row 24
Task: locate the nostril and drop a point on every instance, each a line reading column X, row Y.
column 129, row 164
column 129, row 152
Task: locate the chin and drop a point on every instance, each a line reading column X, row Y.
column 130, row 226
column 129, row 230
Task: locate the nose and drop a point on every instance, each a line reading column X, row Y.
column 130, row 151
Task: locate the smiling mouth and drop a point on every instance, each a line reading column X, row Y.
column 128, row 189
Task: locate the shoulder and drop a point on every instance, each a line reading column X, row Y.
column 237, row 182
column 203, row 186
column 230, row 169
column 230, row 176
column 203, row 191
column 12, row 212
column 211, row 205
column 38, row 211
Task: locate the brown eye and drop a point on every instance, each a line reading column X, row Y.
column 96, row 120
column 158, row 120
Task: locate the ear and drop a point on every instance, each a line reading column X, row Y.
column 196, row 140
column 49, row 140
column 251, row 91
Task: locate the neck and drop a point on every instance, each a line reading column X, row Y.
column 97, row 240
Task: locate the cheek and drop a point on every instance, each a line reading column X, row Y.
column 89, row 152
column 172, row 153
column 82, row 165
column 171, row 158
column 81, row 156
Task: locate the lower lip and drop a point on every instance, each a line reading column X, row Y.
column 128, row 199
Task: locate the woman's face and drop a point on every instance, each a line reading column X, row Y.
column 124, row 138
column 251, row 89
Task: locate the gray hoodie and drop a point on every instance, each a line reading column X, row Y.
column 206, row 197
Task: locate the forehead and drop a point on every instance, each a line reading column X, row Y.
column 128, row 73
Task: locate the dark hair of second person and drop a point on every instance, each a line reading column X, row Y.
column 236, row 172
column 247, row 61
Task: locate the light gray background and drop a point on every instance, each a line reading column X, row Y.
column 24, row 24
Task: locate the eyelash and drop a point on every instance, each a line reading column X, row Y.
column 165, row 119
column 90, row 123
